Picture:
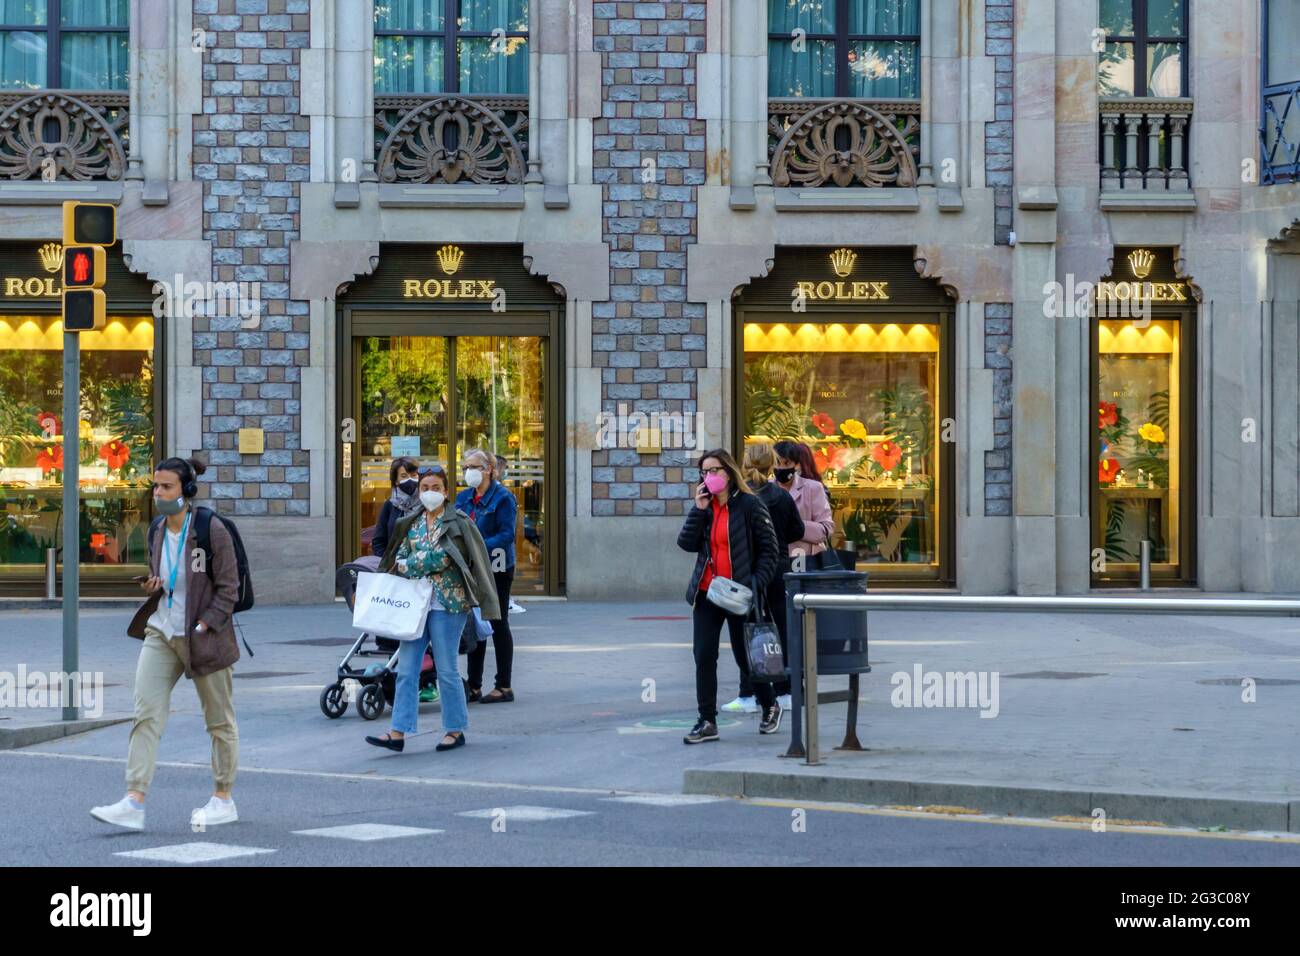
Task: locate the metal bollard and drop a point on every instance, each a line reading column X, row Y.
column 810, row 685
column 51, row 574
column 1145, row 559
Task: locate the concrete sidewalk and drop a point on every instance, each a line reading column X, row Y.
column 1141, row 716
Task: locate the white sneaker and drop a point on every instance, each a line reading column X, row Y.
column 742, row 705
column 515, row 608
column 214, row 814
column 121, row 814
column 784, row 701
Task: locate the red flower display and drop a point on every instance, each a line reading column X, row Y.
column 50, row 459
column 49, row 424
column 824, row 423
column 1107, row 471
column 115, row 454
column 833, row 458
column 887, row 455
column 99, row 541
column 1107, row 414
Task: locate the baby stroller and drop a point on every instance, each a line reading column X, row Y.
column 378, row 680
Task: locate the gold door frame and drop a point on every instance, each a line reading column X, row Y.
column 946, row 499
column 357, row 322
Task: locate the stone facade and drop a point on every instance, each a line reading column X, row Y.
column 252, row 153
column 237, row 171
column 999, row 43
column 997, row 357
column 648, row 155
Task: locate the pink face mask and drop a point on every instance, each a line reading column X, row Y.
column 716, row 483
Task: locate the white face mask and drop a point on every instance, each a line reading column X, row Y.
column 432, row 500
column 473, row 477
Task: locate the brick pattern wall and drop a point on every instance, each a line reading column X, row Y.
column 647, row 340
column 251, row 150
column 999, row 43
column 997, row 356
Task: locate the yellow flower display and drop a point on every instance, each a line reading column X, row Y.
column 1152, row 433
column 854, row 429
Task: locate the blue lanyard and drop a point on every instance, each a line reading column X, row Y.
column 176, row 563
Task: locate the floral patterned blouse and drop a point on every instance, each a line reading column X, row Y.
column 426, row 558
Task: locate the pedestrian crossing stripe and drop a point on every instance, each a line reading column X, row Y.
column 665, row 799
column 194, row 853
column 368, row 832
column 525, row 814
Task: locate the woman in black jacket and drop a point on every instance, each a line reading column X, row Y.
column 731, row 532
column 760, row 460
column 402, row 500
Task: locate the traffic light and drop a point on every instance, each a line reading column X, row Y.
column 89, row 224
column 84, row 310
column 84, row 267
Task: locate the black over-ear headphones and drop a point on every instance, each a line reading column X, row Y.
column 184, row 471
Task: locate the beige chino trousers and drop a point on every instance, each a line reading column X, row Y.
column 161, row 665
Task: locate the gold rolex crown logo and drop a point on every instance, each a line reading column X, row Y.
column 1141, row 261
column 842, row 261
column 52, row 256
column 449, row 259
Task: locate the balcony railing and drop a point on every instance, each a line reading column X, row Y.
column 1144, row 144
column 449, row 138
column 56, row 135
column 1279, row 134
column 843, row 142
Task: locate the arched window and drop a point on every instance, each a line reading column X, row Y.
column 844, row 48
column 63, row 44
column 450, row 46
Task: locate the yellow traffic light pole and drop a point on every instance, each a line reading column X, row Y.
column 92, row 225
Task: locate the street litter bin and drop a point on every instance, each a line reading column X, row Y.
column 841, row 648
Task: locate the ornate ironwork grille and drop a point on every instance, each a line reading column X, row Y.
column 450, row 138
column 63, row 134
column 843, row 142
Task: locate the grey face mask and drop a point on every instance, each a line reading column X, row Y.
column 169, row 506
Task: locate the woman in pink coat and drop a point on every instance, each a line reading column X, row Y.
column 796, row 473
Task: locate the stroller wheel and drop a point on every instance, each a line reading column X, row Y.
column 370, row 702
column 332, row 701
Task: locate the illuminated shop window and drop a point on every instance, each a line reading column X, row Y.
column 116, row 450
column 864, row 397
column 1140, row 440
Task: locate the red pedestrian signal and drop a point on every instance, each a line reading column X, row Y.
column 84, row 267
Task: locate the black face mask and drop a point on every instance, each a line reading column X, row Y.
column 784, row 475
column 408, row 486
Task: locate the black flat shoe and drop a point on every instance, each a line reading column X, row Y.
column 387, row 742
column 460, row 742
column 498, row 696
column 472, row 694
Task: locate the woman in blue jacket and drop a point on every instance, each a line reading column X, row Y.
column 492, row 508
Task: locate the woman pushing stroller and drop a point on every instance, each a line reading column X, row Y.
column 442, row 545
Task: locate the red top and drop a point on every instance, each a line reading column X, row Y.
column 719, row 546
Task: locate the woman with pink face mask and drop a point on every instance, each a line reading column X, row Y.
column 731, row 533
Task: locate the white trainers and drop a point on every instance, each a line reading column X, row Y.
column 122, row 814
column 215, row 813
column 742, row 705
column 784, row 701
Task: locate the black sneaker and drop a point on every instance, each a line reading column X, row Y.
column 702, row 732
column 771, row 721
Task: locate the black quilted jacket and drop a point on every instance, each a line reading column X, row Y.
column 752, row 541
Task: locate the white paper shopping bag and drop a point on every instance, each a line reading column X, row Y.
column 390, row 606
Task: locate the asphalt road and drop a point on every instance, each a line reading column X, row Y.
column 46, row 821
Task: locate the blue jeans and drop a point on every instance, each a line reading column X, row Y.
column 442, row 630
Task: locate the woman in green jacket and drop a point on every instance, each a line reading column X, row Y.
column 441, row 544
